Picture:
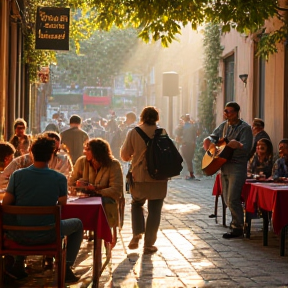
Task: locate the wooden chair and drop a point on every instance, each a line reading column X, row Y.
column 56, row 249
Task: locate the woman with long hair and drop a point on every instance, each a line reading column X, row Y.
column 262, row 160
column 99, row 169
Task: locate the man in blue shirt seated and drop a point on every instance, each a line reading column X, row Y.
column 37, row 185
column 280, row 167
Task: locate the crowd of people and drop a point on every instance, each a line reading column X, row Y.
column 55, row 160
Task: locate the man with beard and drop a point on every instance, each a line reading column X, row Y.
column 238, row 135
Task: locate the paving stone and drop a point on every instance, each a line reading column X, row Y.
column 191, row 251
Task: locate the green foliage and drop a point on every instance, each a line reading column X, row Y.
column 101, row 57
column 36, row 58
column 161, row 19
column 212, row 53
column 268, row 42
column 156, row 20
column 32, row 57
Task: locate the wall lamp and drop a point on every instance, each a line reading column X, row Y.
column 243, row 78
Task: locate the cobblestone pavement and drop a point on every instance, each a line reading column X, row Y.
column 192, row 252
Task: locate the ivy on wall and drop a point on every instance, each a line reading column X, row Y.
column 206, row 114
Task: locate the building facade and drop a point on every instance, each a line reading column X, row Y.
column 14, row 93
column 265, row 93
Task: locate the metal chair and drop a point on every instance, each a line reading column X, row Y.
column 55, row 249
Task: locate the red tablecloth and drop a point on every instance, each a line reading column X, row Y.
column 271, row 197
column 90, row 211
column 217, row 188
column 92, row 215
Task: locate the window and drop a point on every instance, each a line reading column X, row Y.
column 261, row 88
column 229, row 93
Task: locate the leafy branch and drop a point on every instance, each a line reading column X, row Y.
column 159, row 20
column 212, row 54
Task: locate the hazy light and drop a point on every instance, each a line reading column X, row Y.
column 181, row 207
column 202, row 264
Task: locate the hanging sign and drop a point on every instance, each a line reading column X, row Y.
column 52, row 28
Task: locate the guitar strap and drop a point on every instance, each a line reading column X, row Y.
column 226, row 129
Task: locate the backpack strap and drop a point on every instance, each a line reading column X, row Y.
column 144, row 136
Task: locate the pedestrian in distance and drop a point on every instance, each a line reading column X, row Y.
column 74, row 138
column 52, row 127
column 188, row 145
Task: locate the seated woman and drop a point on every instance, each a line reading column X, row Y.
column 280, row 167
column 100, row 170
column 262, row 160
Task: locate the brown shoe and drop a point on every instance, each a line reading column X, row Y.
column 134, row 243
column 150, row 249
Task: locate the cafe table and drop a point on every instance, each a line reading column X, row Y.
column 91, row 212
column 271, row 197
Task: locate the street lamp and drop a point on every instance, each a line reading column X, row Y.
column 244, row 78
column 170, row 88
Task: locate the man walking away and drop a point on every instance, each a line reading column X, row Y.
column 74, row 138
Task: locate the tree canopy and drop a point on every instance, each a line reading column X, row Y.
column 161, row 20
column 101, row 57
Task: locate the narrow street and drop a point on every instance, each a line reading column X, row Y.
column 192, row 252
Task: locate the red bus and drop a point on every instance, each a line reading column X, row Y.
column 97, row 96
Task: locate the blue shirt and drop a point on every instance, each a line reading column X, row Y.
column 189, row 133
column 32, row 186
column 280, row 168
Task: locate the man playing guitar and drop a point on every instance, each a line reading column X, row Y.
column 233, row 172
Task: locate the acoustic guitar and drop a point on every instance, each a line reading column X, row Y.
column 216, row 156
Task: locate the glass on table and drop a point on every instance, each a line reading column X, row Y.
column 81, row 183
column 72, row 191
column 262, row 176
column 249, row 175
